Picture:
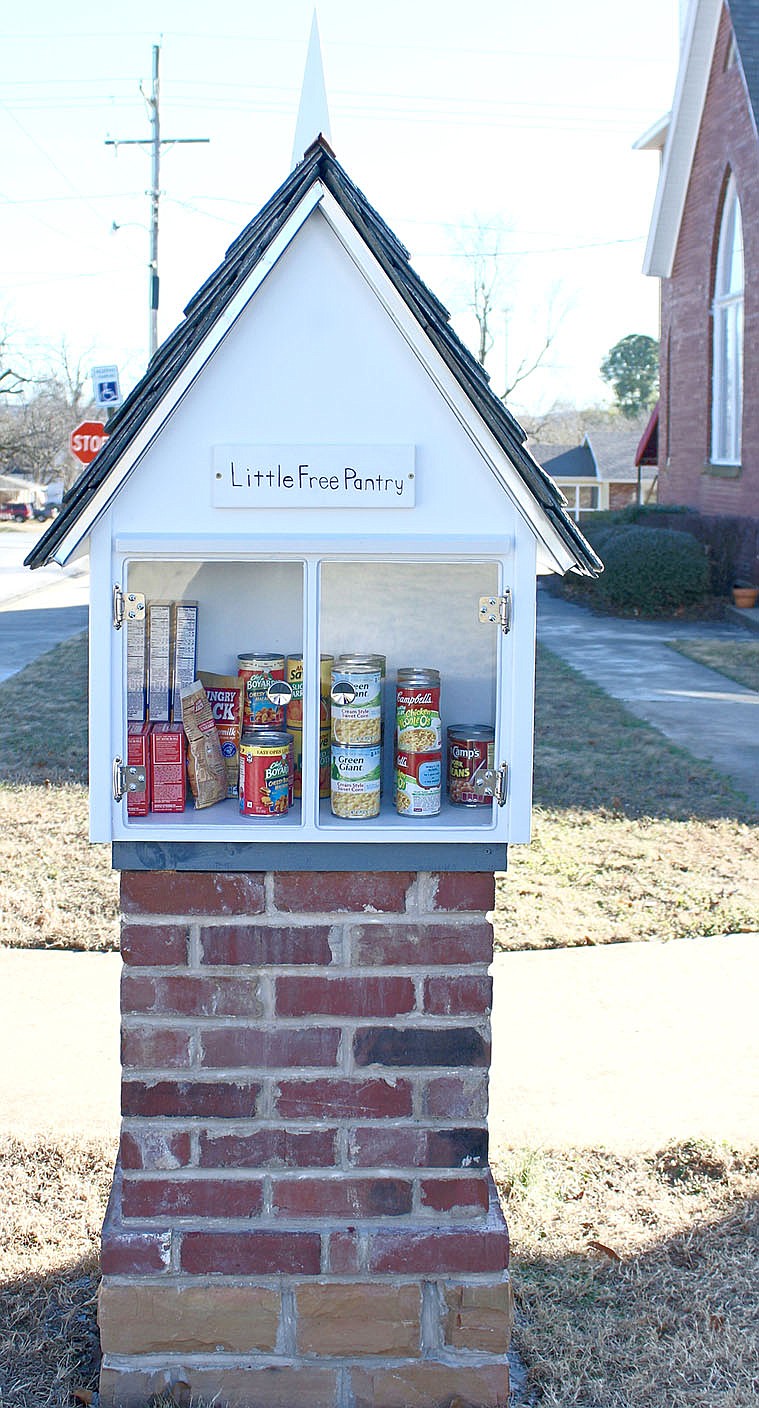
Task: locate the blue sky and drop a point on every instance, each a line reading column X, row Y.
column 517, row 120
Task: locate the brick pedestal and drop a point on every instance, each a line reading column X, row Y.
column 302, row 1210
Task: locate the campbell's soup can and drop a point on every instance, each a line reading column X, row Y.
column 266, row 772
column 355, row 781
column 418, row 778
column 417, row 711
column 356, row 696
column 471, row 751
column 324, row 761
column 257, row 672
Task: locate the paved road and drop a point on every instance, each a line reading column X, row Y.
column 713, row 718
column 37, row 609
column 625, row 1046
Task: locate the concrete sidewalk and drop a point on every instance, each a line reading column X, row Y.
column 627, row 1046
column 37, row 609
column 698, row 709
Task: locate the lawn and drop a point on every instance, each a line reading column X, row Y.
column 737, row 659
column 633, row 838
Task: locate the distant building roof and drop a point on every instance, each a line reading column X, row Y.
column 647, row 452
column 567, row 462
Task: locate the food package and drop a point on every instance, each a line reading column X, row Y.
column 205, row 765
column 225, row 697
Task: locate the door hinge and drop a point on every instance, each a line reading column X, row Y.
column 497, row 611
column 127, row 606
column 127, row 778
column 492, row 782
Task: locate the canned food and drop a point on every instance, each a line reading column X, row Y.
column 417, row 711
column 356, row 695
column 257, row 673
column 294, row 677
column 266, row 772
column 417, row 782
column 471, row 750
column 324, row 761
column 355, row 781
column 325, row 684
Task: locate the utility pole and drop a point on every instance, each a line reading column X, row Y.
column 155, row 141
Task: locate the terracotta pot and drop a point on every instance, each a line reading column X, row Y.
column 745, row 596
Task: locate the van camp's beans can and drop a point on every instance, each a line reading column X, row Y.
column 471, row 750
column 257, row 672
column 356, row 694
column 417, row 711
column 417, row 783
column 355, row 781
column 266, row 772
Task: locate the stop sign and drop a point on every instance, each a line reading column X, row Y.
column 85, row 441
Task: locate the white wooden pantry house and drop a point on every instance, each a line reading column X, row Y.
column 315, row 458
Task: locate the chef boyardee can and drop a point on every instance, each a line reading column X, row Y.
column 266, row 772
column 417, row 711
column 471, row 751
column 356, row 695
column 417, row 783
column 257, row 673
column 355, row 781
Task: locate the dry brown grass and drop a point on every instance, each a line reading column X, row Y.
column 737, row 659
column 635, row 1277
column 52, row 1200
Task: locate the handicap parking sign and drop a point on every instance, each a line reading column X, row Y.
column 105, row 386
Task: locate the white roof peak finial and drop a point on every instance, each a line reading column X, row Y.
column 313, row 113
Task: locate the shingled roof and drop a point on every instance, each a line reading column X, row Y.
column 318, row 164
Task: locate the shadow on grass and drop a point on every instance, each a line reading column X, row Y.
column 591, row 753
column 44, row 711
column 49, row 1342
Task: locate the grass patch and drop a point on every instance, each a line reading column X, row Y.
column 738, row 659
column 635, row 1276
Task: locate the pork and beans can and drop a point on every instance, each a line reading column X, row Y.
column 257, row 672
column 266, row 772
column 417, row 711
column 471, row 751
column 417, row 782
column 356, row 695
column 355, row 781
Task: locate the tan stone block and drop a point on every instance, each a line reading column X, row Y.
column 145, row 1319
column 358, row 1319
column 430, row 1385
column 479, row 1317
column 232, row 1386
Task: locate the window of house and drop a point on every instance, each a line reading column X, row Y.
column 581, row 498
column 727, row 310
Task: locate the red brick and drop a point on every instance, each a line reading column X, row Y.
column 191, row 892
column 343, row 1254
column 342, row 1197
column 447, row 1194
column 464, row 890
column 258, row 945
column 326, row 892
column 259, row 1253
column 381, row 1147
column 153, row 1048
column 342, row 1099
column 192, row 1197
column 133, row 1253
column 269, row 1148
column 154, row 1149
column 458, row 1148
column 190, row 996
column 457, row 1097
column 154, row 945
column 434, row 944
column 344, row 997
column 215, row 1099
column 438, row 1250
column 281, row 1046
column 459, row 995
column 420, row 1046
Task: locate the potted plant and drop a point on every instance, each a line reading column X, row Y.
column 745, row 593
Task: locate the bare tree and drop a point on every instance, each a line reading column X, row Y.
column 36, row 423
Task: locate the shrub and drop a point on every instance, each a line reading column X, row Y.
column 652, row 570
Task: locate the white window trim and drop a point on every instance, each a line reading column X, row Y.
column 727, row 343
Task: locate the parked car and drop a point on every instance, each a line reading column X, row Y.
column 17, row 513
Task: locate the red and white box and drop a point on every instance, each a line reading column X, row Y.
column 168, row 772
column 138, row 749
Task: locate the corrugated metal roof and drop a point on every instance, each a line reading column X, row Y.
column 319, row 163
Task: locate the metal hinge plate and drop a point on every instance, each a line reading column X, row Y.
column 127, row 778
column 492, row 782
column 497, row 611
column 127, row 606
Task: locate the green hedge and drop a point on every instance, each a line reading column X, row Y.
column 651, row 570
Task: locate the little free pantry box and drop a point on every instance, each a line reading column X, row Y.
column 316, row 460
